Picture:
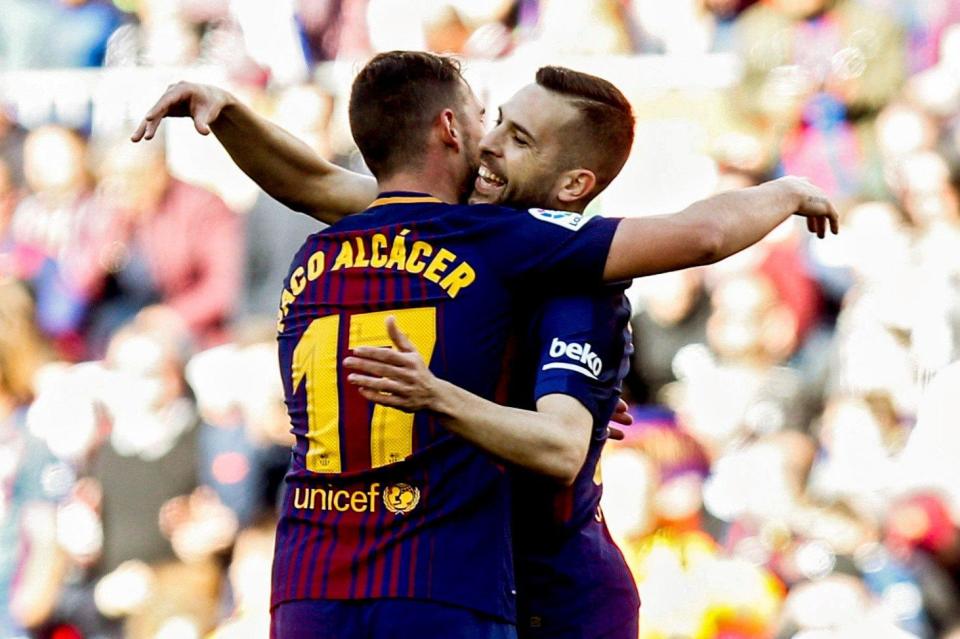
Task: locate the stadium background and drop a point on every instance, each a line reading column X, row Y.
column 792, row 469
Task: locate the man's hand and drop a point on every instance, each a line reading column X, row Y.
column 396, row 378
column 620, row 416
column 813, row 204
column 201, row 102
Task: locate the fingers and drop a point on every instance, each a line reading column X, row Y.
column 824, row 218
column 379, row 384
column 378, row 369
column 153, row 118
column 615, row 434
column 138, row 134
column 181, row 99
column 393, row 401
column 624, row 419
column 398, row 337
column 148, row 126
column 381, row 354
column 146, row 130
column 620, row 414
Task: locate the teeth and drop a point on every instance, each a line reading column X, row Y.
column 488, row 175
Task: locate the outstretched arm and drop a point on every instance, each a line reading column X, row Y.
column 553, row 440
column 282, row 165
column 715, row 228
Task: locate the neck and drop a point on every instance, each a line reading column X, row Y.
column 573, row 207
column 435, row 176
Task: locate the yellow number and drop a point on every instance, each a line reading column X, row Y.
column 391, row 430
column 316, row 358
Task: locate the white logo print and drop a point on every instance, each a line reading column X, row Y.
column 579, row 353
column 566, row 219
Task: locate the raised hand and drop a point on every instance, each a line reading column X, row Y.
column 203, row 103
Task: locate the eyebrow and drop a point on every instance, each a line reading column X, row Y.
column 516, row 126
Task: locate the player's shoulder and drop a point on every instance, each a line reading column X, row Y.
column 602, row 309
column 601, row 297
column 570, row 220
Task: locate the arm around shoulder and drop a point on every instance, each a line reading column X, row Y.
column 715, row 228
column 280, row 163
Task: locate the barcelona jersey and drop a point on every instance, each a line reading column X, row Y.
column 380, row 503
column 572, row 580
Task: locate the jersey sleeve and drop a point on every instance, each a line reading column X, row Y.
column 556, row 249
column 584, row 348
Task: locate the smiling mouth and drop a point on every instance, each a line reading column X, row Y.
column 490, row 178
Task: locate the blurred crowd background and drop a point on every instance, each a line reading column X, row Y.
column 793, row 469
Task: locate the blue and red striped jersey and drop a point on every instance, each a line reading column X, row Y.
column 381, row 503
column 572, row 580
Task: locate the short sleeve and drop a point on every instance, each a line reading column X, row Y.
column 584, row 347
column 557, row 249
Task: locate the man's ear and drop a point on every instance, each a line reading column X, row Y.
column 576, row 185
column 449, row 130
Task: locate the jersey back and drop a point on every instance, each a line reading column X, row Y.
column 382, row 503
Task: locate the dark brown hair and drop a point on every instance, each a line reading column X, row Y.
column 393, row 103
column 600, row 139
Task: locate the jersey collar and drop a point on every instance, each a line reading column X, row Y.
column 404, row 197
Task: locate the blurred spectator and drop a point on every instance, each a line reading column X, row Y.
column 273, row 233
column 32, row 480
column 80, row 32
column 859, row 439
column 590, row 27
column 176, row 33
column 249, row 575
column 923, row 24
column 49, row 224
column 148, row 532
column 672, row 314
column 171, row 250
column 245, row 434
column 333, row 29
column 816, row 72
column 686, row 26
column 56, row 33
column 271, row 39
column 743, row 387
column 925, row 460
column 54, row 161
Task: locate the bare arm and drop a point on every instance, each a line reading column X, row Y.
column 281, row 164
column 714, row 228
column 553, row 440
